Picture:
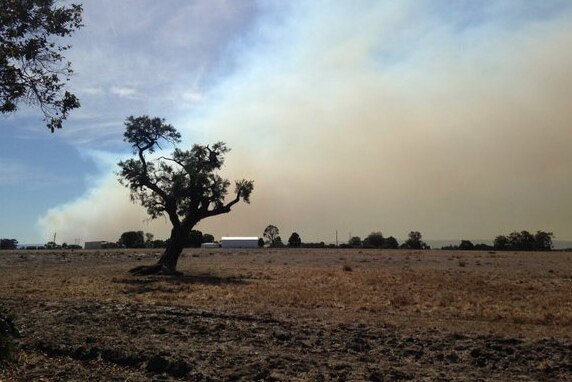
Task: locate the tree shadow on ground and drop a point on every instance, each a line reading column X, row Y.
column 174, row 284
column 205, row 278
column 202, row 278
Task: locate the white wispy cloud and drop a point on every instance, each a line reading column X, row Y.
column 192, row 97
column 91, row 91
column 125, row 92
column 141, row 57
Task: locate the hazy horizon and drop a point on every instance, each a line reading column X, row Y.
column 448, row 118
column 433, row 243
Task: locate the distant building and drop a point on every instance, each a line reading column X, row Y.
column 210, row 245
column 95, row 244
column 239, row 242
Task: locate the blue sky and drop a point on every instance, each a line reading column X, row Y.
column 451, row 118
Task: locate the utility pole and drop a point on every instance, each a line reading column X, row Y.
column 336, row 238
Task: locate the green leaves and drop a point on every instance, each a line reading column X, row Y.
column 145, row 133
column 32, row 68
column 244, row 189
column 186, row 185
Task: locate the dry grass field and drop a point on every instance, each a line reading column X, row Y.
column 291, row 314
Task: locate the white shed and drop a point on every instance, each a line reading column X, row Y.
column 95, row 244
column 239, row 242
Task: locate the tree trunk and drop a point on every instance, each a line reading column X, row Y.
column 167, row 264
column 171, row 255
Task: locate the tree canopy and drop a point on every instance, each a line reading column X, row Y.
column 194, row 239
column 8, row 243
column 184, row 186
column 391, row 243
column 524, row 241
column 208, row 238
column 33, row 69
column 374, row 240
column 294, row 240
column 354, row 241
column 271, row 233
column 466, row 245
column 132, row 239
column 415, row 241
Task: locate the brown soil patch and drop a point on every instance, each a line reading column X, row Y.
column 307, row 314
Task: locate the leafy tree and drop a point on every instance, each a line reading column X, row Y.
column 8, row 243
column 354, row 241
column 501, row 243
column 521, row 241
column 524, row 241
column 132, row 239
column 33, row 69
column 414, row 241
column 194, row 239
column 294, row 240
column 374, row 240
column 184, row 186
column 483, row 247
column 208, row 238
column 391, row 243
column 271, row 233
column 278, row 242
column 543, row 241
column 51, row 245
column 157, row 244
column 148, row 239
column 466, row 245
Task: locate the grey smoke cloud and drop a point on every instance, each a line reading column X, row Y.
column 382, row 117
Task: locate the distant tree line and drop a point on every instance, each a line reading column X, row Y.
column 377, row 240
column 13, row 244
column 8, row 243
column 139, row 239
column 272, row 238
column 467, row 245
column 515, row 241
column 524, row 241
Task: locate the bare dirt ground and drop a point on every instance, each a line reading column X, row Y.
column 283, row 315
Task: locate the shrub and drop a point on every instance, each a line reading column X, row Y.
column 466, row 245
column 294, row 240
column 391, row 243
column 415, row 242
column 374, row 240
column 355, row 242
column 7, row 330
